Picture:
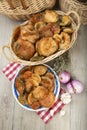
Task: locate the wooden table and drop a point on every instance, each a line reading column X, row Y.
column 13, row 117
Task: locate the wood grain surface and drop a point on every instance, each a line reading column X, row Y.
column 13, row 117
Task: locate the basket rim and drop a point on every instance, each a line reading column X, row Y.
column 80, row 2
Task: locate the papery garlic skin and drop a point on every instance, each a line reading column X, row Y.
column 62, row 113
column 66, row 98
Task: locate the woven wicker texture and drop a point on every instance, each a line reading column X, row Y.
column 21, row 9
column 75, row 25
column 79, row 7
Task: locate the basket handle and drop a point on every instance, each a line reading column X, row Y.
column 78, row 19
column 4, row 53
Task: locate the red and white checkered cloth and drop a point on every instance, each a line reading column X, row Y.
column 10, row 71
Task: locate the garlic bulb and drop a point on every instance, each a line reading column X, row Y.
column 66, row 98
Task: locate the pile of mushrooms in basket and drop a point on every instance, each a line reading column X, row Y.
column 43, row 37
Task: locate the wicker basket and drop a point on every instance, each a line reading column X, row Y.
column 21, row 9
column 79, row 7
column 75, row 25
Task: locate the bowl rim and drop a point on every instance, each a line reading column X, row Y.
column 26, row 107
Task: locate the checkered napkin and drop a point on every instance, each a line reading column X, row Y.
column 10, row 71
